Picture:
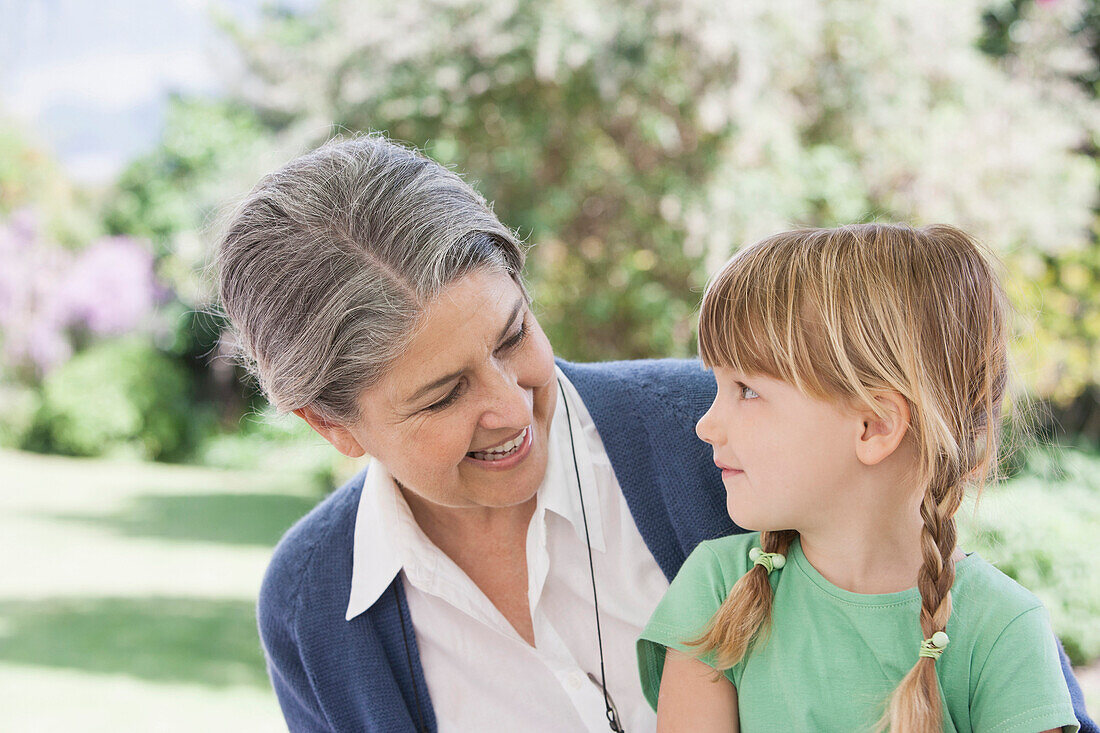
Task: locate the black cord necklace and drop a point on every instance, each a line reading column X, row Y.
column 611, row 711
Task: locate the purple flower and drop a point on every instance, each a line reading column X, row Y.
column 31, row 324
column 110, row 289
column 47, row 292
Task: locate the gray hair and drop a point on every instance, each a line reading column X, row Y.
column 326, row 266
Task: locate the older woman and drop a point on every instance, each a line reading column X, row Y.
column 519, row 518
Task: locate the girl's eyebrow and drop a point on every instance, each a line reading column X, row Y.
column 437, row 383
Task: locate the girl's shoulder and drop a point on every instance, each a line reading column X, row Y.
column 1003, row 655
column 992, row 609
column 987, row 596
column 727, row 557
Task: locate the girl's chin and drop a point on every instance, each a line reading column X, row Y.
column 749, row 521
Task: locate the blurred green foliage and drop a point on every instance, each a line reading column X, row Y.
column 635, row 146
column 269, row 441
column 1040, row 529
column 176, row 187
column 18, row 406
column 119, row 396
column 1056, row 292
column 31, row 177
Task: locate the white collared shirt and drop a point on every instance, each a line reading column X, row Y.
column 481, row 675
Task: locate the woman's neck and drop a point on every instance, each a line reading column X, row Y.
column 457, row 530
column 490, row 546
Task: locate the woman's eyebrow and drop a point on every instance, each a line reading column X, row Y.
column 435, row 384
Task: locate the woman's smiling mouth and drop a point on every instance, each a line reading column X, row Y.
column 508, row 449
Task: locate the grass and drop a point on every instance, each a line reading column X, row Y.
column 127, row 597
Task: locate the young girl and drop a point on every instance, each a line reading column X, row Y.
column 860, row 373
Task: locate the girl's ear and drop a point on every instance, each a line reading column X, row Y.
column 341, row 438
column 881, row 435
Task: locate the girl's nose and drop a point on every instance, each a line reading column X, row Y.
column 707, row 427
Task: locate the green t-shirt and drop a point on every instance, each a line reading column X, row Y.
column 833, row 657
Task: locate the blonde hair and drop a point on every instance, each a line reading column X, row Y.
column 845, row 313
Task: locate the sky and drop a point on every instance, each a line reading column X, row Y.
column 88, row 79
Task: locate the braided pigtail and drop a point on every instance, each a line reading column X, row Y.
column 915, row 705
column 745, row 615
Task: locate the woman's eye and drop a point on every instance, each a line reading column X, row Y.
column 446, row 401
column 747, row 392
column 511, row 343
column 517, row 339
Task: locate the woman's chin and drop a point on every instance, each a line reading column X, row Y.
column 507, row 482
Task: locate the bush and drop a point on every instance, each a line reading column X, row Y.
column 18, row 405
column 119, row 396
column 1040, row 529
column 281, row 442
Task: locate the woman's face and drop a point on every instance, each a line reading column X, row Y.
column 462, row 418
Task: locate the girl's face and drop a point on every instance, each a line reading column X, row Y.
column 784, row 455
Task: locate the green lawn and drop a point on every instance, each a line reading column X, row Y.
column 128, row 589
column 127, row 596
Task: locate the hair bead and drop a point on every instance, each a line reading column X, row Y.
column 767, row 560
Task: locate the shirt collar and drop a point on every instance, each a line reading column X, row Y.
column 386, row 534
column 376, row 555
column 559, row 487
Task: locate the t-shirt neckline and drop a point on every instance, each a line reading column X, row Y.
column 909, row 595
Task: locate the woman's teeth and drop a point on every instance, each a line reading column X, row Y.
column 503, row 450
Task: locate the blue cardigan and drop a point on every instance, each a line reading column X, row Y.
column 336, row 675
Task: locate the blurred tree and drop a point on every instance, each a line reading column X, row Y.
column 638, row 145
column 211, row 151
column 180, row 184
column 1058, row 291
column 31, row 178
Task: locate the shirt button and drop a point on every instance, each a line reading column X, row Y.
column 575, row 680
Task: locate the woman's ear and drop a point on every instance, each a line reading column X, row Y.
column 341, row 438
column 881, row 435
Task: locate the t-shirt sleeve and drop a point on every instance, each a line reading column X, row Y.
column 692, row 598
column 1021, row 688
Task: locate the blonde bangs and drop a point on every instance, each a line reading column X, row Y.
column 762, row 315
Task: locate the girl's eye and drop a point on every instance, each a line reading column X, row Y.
column 446, row 401
column 747, row 392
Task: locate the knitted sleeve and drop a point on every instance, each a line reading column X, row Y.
column 276, row 615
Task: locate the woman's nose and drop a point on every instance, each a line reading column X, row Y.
column 509, row 403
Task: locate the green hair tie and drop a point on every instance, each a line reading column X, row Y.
column 767, row 560
column 933, row 647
